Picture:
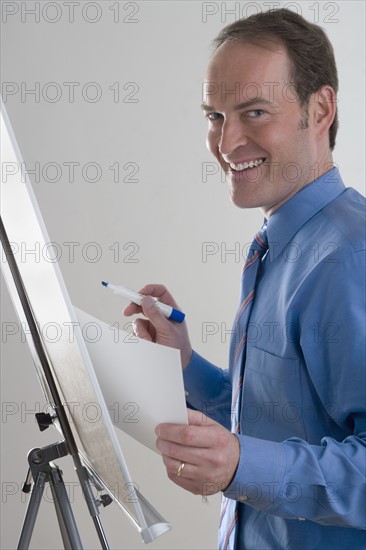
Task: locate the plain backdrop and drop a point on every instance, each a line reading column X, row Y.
column 114, row 141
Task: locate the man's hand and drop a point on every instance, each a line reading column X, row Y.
column 156, row 327
column 210, row 454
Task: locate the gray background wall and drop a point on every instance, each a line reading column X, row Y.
column 136, row 70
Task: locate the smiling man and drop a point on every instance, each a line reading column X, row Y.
column 258, row 131
column 284, row 438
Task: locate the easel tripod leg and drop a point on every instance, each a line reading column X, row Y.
column 69, row 531
column 32, row 511
column 100, row 531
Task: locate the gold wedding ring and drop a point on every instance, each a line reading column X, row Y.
column 180, row 469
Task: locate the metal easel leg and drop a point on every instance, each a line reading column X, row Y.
column 68, row 528
column 44, row 471
column 32, row 511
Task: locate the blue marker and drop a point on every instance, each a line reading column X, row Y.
column 168, row 311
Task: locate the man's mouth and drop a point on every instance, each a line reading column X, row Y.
column 240, row 166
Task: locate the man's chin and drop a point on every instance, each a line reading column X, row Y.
column 242, row 203
column 243, row 200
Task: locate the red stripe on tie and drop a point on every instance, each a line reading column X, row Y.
column 260, row 241
column 245, row 303
column 251, row 260
column 223, row 513
column 229, row 531
column 240, row 381
column 239, row 348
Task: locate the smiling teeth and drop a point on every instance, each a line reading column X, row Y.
column 246, row 165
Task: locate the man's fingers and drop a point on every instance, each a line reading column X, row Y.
column 174, row 467
column 174, row 451
column 190, row 477
column 209, row 453
column 174, row 432
column 161, row 330
column 132, row 309
column 151, row 310
column 197, row 418
column 156, row 291
column 143, row 329
column 188, row 436
column 160, row 292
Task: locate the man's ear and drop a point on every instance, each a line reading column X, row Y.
column 323, row 110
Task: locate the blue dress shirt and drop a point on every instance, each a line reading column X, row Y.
column 300, row 481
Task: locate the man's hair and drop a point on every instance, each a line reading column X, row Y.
column 311, row 55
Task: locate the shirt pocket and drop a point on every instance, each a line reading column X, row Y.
column 272, row 401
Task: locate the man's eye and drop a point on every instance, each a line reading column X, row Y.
column 256, row 113
column 213, row 116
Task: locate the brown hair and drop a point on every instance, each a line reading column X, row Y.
column 308, row 48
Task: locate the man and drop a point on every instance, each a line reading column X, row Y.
column 292, row 468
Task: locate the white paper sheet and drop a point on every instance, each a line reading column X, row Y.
column 141, row 382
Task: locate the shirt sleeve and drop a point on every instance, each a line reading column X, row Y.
column 208, row 389
column 322, row 482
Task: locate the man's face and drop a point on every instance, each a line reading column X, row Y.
column 256, row 128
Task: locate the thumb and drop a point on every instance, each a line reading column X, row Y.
column 152, row 312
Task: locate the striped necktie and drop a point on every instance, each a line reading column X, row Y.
column 251, row 269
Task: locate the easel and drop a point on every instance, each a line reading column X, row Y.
column 41, row 467
column 65, row 372
column 43, row 471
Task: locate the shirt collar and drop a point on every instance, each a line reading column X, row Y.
column 293, row 214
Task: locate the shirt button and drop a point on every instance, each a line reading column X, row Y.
column 301, row 519
column 243, row 497
column 186, row 393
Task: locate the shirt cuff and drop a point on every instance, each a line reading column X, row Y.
column 260, row 472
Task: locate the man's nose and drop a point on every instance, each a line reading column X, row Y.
column 233, row 135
